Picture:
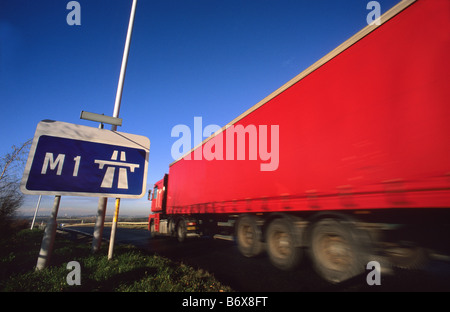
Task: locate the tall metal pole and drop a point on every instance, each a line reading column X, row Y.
column 123, row 68
column 116, row 113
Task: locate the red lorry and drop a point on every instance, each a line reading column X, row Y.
column 359, row 161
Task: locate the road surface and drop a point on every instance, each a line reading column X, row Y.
column 223, row 260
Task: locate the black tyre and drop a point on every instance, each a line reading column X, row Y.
column 181, row 231
column 281, row 245
column 337, row 250
column 152, row 229
column 249, row 236
column 172, row 228
column 407, row 255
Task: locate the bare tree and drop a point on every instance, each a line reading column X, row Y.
column 10, row 196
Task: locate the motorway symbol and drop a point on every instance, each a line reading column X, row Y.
column 109, row 175
column 67, row 159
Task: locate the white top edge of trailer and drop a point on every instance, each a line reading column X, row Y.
column 338, row 50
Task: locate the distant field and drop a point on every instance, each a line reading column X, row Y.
column 133, row 225
column 129, row 222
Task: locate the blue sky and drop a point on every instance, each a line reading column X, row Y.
column 208, row 58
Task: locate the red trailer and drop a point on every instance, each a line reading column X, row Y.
column 346, row 159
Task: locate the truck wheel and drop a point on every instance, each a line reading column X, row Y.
column 181, row 231
column 336, row 250
column 407, row 256
column 152, row 229
column 281, row 246
column 249, row 236
column 172, row 228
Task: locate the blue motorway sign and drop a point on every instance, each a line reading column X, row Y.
column 86, row 164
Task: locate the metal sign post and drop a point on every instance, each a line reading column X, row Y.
column 99, row 224
column 113, row 230
column 123, row 68
column 117, row 110
column 36, row 211
column 101, row 213
column 49, row 237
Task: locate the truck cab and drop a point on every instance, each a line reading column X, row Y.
column 158, row 196
column 160, row 223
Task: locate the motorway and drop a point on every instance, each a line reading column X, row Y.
column 223, row 260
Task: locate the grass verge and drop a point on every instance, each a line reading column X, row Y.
column 131, row 270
